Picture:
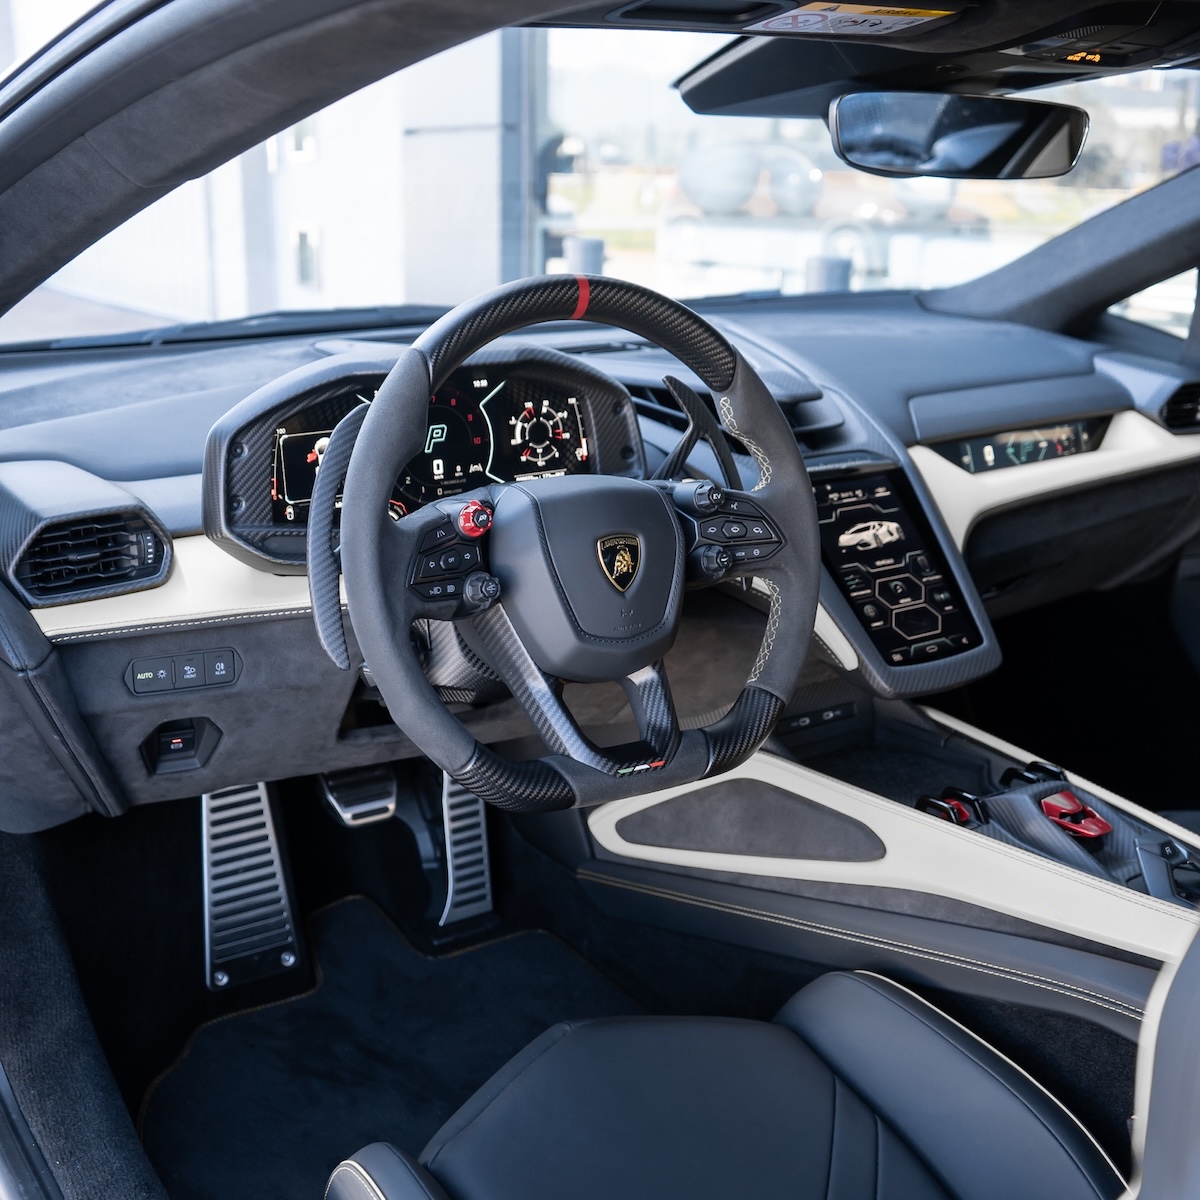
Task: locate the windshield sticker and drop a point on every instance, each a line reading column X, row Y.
column 848, row 20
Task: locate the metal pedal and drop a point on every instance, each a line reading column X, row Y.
column 469, row 873
column 361, row 795
column 249, row 927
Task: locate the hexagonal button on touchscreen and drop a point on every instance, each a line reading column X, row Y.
column 917, row 622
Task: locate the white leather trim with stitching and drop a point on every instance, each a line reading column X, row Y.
column 835, row 642
column 1132, row 444
column 1144, row 1078
column 205, row 586
column 925, row 855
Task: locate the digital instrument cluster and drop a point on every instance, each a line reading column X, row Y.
column 1016, row 447
column 485, row 426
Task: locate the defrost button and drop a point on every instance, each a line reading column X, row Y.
column 218, row 666
column 189, row 670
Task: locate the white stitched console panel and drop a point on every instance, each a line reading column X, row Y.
column 925, row 855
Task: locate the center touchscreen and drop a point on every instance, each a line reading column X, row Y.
column 887, row 564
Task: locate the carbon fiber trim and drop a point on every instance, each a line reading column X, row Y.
column 649, row 695
column 520, row 787
column 571, row 297
column 455, row 670
column 35, row 496
column 324, row 570
column 741, row 732
column 533, row 690
column 236, row 497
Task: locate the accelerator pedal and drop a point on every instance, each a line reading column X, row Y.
column 249, row 921
column 468, row 868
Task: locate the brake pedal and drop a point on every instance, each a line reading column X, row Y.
column 361, row 795
column 468, row 867
column 249, row 915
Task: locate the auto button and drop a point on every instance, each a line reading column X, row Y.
column 152, row 675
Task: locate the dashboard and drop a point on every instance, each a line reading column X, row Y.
column 934, row 474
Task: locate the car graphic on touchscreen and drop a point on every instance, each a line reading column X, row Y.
column 870, row 535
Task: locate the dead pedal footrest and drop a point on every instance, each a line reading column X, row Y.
column 249, row 917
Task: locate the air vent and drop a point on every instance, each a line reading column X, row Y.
column 814, row 422
column 1182, row 410
column 93, row 555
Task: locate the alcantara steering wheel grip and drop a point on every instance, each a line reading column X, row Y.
column 579, row 577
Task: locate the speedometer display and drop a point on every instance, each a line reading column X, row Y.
column 457, row 454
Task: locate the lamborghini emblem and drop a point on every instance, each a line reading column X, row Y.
column 620, row 556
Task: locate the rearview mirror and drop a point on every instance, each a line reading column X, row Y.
column 956, row 137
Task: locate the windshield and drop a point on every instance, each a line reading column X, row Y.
column 549, row 150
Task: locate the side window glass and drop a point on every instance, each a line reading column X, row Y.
column 1167, row 305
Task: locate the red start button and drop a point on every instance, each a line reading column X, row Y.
column 474, row 519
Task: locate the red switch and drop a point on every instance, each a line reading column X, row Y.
column 1067, row 811
column 474, row 519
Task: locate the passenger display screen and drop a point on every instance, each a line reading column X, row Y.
column 887, row 564
column 1016, row 447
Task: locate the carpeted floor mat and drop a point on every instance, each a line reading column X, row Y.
column 264, row 1104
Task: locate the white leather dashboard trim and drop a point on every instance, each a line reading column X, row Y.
column 205, row 586
column 1133, row 443
column 208, row 586
column 924, row 855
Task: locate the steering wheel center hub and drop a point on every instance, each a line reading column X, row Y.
column 592, row 571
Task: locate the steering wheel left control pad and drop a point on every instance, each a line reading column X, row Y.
column 592, row 572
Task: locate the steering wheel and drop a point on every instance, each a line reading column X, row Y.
column 578, row 577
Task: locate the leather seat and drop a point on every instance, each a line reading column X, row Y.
column 859, row 1090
